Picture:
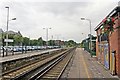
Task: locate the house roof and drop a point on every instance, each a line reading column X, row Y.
column 14, row 33
column 112, row 13
column 1, row 31
column 93, row 38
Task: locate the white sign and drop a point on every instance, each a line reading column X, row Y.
column 8, row 40
column 93, row 40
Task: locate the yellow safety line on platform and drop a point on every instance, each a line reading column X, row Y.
column 85, row 67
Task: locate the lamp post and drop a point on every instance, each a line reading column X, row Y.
column 7, row 29
column 90, row 33
column 52, row 44
column 47, row 36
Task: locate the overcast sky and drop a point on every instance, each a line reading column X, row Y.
column 63, row 16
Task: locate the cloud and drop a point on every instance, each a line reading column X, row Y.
column 63, row 17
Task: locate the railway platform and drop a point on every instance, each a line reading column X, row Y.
column 25, row 55
column 85, row 66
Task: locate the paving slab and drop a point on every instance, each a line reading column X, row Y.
column 79, row 69
column 86, row 67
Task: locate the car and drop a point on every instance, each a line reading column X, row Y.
column 1, row 49
column 25, row 48
column 19, row 48
column 36, row 47
column 15, row 49
column 29, row 48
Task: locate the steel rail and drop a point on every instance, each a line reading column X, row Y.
column 41, row 73
column 24, row 72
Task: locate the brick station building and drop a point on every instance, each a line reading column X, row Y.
column 108, row 41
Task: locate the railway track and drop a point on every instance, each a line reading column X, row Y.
column 53, row 69
column 56, row 70
column 15, row 74
column 15, row 64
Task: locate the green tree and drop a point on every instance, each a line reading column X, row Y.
column 17, row 40
column 51, row 42
column 40, row 41
column 70, row 43
column 44, row 43
column 26, row 41
column 34, row 42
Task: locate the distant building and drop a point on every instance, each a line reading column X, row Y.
column 14, row 33
column 1, row 31
column 86, row 45
column 11, row 35
column 57, row 42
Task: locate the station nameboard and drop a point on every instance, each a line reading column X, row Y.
column 8, row 40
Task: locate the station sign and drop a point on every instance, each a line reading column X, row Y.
column 8, row 40
column 93, row 40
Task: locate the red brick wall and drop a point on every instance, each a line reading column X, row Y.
column 97, row 47
column 114, row 45
column 97, row 51
column 119, row 48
